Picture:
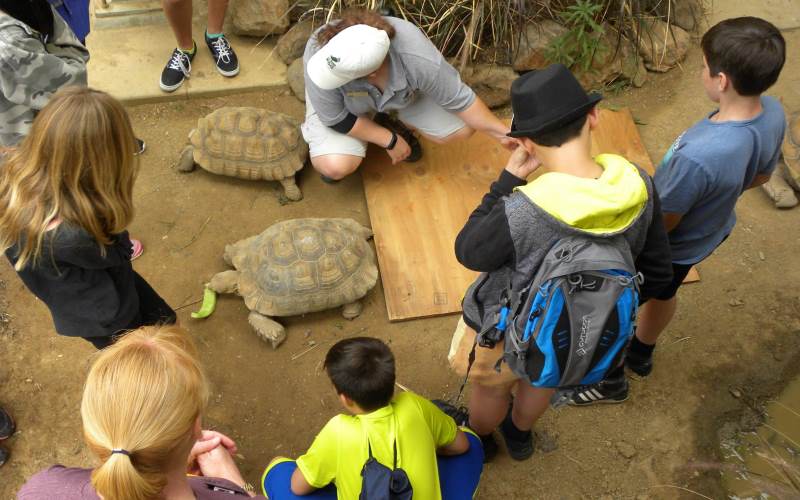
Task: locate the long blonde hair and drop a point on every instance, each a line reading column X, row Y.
column 143, row 395
column 77, row 165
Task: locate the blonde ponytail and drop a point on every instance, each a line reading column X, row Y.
column 140, row 403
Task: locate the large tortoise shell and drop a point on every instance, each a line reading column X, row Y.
column 304, row 265
column 249, row 143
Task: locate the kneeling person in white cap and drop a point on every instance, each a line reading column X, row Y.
column 366, row 63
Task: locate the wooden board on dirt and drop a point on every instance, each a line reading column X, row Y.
column 418, row 209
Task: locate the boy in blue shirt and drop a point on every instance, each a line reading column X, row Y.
column 704, row 172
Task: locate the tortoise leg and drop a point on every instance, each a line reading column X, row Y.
column 352, row 310
column 186, row 162
column 291, row 189
column 267, row 329
column 779, row 190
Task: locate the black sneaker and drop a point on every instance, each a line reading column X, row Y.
column 140, row 147
column 177, row 70
column 224, row 57
column 490, row 448
column 384, row 120
column 7, row 426
column 4, row 454
column 606, row 391
column 459, row 414
column 639, row 364
column 518, row 449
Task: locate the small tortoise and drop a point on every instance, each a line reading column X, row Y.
column 785, row 180
column 248, row 143
column 299, row 266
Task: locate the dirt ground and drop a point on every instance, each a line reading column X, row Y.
column 736, row 329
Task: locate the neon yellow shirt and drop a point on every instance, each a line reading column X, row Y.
column 340, row 449
column 607, row 204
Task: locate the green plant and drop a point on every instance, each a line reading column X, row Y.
column 585, row 38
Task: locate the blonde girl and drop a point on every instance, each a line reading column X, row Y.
column 66, row 199
column 142, row 408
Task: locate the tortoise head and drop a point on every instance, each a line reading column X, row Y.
column 225, row 282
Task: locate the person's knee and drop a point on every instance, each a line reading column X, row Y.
column 166, row 4
column 336, row 167
column 461, row 134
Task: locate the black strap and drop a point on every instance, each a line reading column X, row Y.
column 394, row 449
column 470, row 361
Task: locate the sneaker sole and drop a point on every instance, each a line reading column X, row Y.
column 169, row 88
column 228, row 73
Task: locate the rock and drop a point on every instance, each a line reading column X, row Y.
column 297, row 82
column 291, row 44
column 532, row 51
column 657, row 55
column 626, row 449
column 491, row 82
column 735, row 302
column 683, row 13
column 259, row 17
column 615, row 60
column 546, row 442
column 735, row 392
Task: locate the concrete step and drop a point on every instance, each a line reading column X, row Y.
column 127, row 63
column 127, row 8
column 127, row 13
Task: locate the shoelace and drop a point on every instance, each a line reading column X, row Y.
column 222, row 49
column 177, row 62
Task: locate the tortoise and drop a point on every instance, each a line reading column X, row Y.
column 791, row 150
column 785, row 180
column 248, row 143
column 299, row 266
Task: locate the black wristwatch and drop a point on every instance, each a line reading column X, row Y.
column 393, row 142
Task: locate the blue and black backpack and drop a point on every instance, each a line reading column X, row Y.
column 571, row 324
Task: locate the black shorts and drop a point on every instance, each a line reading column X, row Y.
column 679, row 272
column 153, row 310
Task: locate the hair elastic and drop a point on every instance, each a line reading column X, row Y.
column 120, row 450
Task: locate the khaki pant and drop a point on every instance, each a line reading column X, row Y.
column 483, row 371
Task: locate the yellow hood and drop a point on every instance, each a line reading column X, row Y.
column 608, row 204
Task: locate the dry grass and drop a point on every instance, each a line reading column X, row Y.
column 491, row 30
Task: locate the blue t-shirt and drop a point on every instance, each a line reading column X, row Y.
column 706, row 170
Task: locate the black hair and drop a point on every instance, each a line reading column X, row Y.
column 749, row 50
column 35, row 13
column 362, row 368
column 559, row 136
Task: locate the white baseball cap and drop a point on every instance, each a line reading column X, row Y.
column 353, row 53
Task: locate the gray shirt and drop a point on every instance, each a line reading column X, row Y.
column 416, row 67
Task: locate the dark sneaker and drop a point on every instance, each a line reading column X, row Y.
column 489, row 448
column 328, row 180
column 518, row 449
column 639, row 364
column 607, row 391
column 460, row 414
column 384, row 120
column 4, row 454
column 140, row 146
column 224, row 57
column 7, row 426
column 176, row 71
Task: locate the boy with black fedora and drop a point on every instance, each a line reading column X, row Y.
column 517, row 222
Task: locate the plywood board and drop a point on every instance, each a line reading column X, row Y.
column 418, row 209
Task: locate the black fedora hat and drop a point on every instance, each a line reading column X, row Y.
column 546, row 100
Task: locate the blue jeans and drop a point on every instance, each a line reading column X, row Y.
column 458, row 477
column 76, row 14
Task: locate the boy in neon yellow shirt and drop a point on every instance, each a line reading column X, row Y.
column 363, row 373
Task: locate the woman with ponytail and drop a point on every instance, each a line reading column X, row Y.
column 142, row 411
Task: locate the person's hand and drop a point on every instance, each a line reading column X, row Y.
column 508, row 142
column 400, row 151
column 219, row 463
column 207, row 442
column 521, row 164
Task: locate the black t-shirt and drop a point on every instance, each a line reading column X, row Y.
column 89, row 294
